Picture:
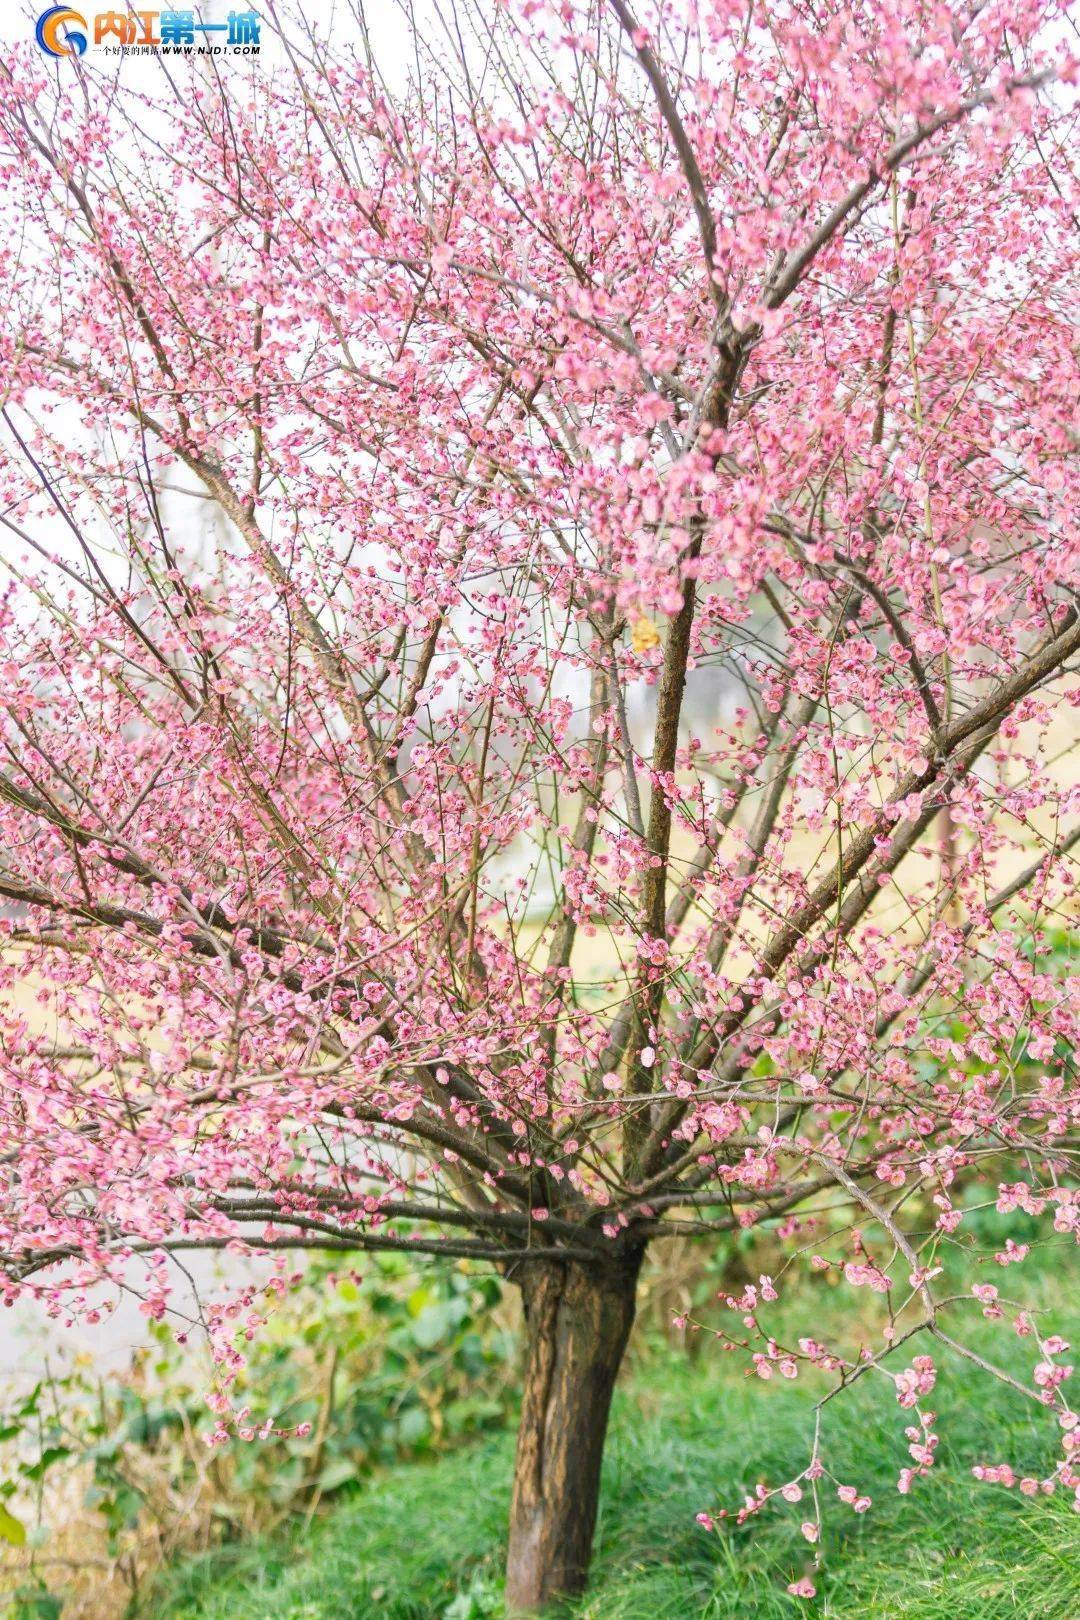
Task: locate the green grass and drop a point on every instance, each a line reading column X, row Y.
column 424, row 1541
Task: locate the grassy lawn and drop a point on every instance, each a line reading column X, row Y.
column 424, row 1541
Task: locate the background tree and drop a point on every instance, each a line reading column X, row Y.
column 601, row 780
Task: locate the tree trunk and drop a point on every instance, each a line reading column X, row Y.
column 577, row 1323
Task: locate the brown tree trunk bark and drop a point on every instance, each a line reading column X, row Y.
column 577, row 1323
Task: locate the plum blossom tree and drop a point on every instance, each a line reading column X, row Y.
column 604, row 779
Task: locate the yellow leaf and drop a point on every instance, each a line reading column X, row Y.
column 644, row 635
column 10, row 1528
